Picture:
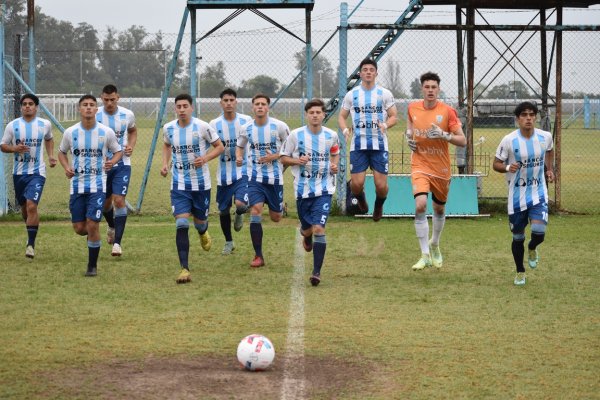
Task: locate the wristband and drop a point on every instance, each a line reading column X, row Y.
column 384, row 125
column 507, row 168
column 346, row 131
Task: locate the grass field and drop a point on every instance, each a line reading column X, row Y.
column 373, row 329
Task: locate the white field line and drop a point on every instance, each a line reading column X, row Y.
column 293, row 387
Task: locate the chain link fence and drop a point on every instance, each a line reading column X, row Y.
column 268, row 60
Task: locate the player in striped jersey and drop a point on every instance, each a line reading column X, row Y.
column 90, row 143
column 431, row 126
column 262, row 138
column 232, row 182
column 524, row 155
column 122, row 121
column 187, row 142
column 24, row 137
column 373, row 111
column 313, row 153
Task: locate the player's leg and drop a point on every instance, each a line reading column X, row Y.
column 538, row 215
column 241, row 202
column 421, row 188
column 181, row 203
column 306, row 229
column 379, row 164
column 120, row 185
column 517, row 223
column 256, row 198
column 94, row 205
column 359, row 162
column 274, row 200
column 200, row 209
column 439, row 194
column 31, row 195
column 77, row 207
column 107, row 209
column 224, row 196
column 319, row 215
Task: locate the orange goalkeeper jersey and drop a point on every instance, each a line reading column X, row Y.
column 432, row 156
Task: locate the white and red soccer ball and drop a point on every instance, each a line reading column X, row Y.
column 255, row 352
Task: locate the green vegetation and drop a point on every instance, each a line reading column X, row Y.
column 464, row 331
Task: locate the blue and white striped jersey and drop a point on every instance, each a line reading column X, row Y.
column 260, row 141
column 120, row 122
column 527, row 186
column 89, row 149
column 314, row 178
column 367, row 108
column 227, row 171
column 33, row 134
column 188, row 143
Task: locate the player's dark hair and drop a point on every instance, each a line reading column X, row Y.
column 229, row 92
column 184, row 96
column 367, row 61
column 261, row 96
column 430, row 76
column 30, row 96
column 315, row 103
column 109, row 89
column 526, row 105
column 88, row 97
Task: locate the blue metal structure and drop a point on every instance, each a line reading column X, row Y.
column 3, row 199
column 190, row 11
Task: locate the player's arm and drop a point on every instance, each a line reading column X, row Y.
column 115, row 148
column 392, row 119
column 342, row 117
column 458, row 137
column 549, row 163
column 334, row 161
column 166, row 159
column 49, row 144
column 502, row 167
column 217, row 149
column 131, row 140
column 409, row 134
column 63, row 159
column 6, row 147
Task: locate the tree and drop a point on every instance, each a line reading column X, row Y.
column 259, row 84
column 415, row 89
column 393, row 80
column 213, row 81
column 510, row 90
column 325, row 81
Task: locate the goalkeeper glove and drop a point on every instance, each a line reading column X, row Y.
column 437, row 133
column 412, row 143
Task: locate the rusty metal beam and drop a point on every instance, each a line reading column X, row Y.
column 473, row 27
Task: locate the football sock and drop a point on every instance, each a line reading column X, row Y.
column 32, row 231
column 256, row 234
column 201, row 228
column 182, row 241
column 93, row 251
column 379, row 201
column 518, row 251
column 109, row 215
column 538, row 231
column 438, row 221
column 422, row 229
column 319, row 248
column 120, row 221
column 225, row 219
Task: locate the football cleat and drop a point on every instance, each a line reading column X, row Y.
column 238, row 222
column 520, row 279
column 436, row 255
column 110, row 235
column 424, row 261
column 315, row 279
column 29, row 252
column 363, row 206
column 116, row 250
column 257, row 262
column 91, row 272
column 228, row 248
column 377, row 212
column 184, row 276
column 205, row 241
column 533, row 258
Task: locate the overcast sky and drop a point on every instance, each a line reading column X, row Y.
column 165, row 15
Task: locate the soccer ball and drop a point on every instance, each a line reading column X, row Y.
column 255, row 352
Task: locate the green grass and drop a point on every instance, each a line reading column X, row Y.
column 464, row 331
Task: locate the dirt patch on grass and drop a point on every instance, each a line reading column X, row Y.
column 206, row 378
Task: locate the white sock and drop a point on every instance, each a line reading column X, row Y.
column 438, row 226
column 422, row 229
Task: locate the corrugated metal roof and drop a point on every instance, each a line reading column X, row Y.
column 513, row 4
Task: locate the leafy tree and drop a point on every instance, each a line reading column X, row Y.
column 415, row 89
column 213, row 80
column 510, row 90
column 325, row 82
column 259, row 84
